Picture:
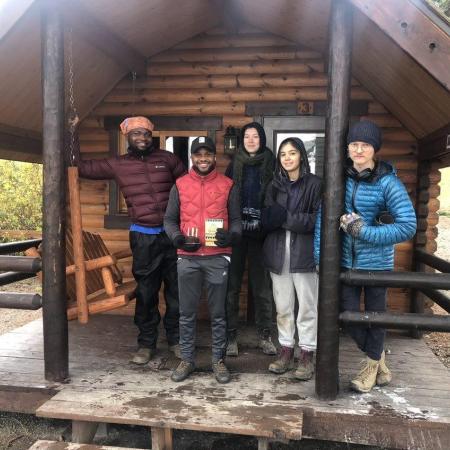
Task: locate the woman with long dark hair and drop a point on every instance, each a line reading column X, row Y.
column 292, row 202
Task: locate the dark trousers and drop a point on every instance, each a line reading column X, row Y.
column 369, row 340
column 258, row 280
column 154, row 261
column 192, row 273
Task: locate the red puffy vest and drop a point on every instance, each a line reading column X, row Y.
column 201, row 198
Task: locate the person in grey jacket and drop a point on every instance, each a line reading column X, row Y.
column 292, row 201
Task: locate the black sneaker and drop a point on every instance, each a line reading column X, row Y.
column 183, row 370
column 221, row 372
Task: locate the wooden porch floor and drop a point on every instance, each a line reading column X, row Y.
column 413, row 412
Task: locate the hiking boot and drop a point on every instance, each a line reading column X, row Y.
column 183, row 370
column 175, row 349
column 266, row 344
column 142, row 356
column 384, row 375
column 281, row 365
column 221, row 372
column 367, row 376
column 305, row 368
column 232, row 347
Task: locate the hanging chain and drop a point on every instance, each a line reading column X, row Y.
column 73, row 114
column 133, row 91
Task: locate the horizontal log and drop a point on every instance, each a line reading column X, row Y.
column 94, row 147
column 224, row 41
column 398, row 135
column 20, row 300
column 20, row 264
column 12, row 277
column 406, row 321
column 396, row 279
column 377, row 108
column 94, row 134
column 432, row 219
column 383, row 120
column 96, row 208
column 94, row 264
column 93, row 221
column 93, row 199
column 235, row 54
column 235, row 67
column 193, row 109
column 99, row 306
column 397, row 149
column 229, row 81
column 231, row 95
column 18, row 246
column 91, row 122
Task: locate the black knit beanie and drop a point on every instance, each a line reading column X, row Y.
column 259, row 129
column 365, row 131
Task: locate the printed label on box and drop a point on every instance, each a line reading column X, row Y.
column 211, row 226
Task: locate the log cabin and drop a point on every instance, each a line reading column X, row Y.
column 197, row 68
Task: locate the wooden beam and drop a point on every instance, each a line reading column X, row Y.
column 414, row 32
column 20, row 144
column 436, row 144
column 98, row 35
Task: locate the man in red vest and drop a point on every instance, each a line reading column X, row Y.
column 203, row 220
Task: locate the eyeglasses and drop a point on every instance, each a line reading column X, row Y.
column 354, row 147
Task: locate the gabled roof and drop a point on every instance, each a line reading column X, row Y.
column 393, row 55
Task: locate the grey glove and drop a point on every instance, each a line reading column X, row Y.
column 351, row 224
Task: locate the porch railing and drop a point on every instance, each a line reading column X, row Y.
column 17, row 268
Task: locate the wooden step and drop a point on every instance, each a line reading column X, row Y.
column 54, row 445
column 164, row 410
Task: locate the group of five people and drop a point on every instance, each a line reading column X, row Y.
column 199, row 228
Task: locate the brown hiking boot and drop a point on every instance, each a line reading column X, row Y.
column 384, row 375
column 305, row 368
column 142, row 356
column 367, row 376
column 183, row 370
column 281, row 365
column 221, row 372
column 265, row 343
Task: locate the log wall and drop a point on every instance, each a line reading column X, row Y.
column 216, row 74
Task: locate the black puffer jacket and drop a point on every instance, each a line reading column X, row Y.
column 291, row 206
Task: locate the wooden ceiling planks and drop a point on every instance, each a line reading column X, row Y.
column 153, row 26
column 20, row 81
column 412, row 31
column 302, row 21
column 406, row 89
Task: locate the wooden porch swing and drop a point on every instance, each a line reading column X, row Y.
column 94, row 282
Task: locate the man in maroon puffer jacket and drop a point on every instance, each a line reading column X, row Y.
column 145, row 176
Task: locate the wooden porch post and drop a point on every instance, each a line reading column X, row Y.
column 53, row 259
column 339, row 74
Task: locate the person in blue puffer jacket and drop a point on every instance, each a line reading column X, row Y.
column 378, row 215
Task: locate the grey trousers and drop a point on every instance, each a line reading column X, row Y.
column 192, row 273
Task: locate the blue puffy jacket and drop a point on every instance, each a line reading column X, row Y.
column 374, row 247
